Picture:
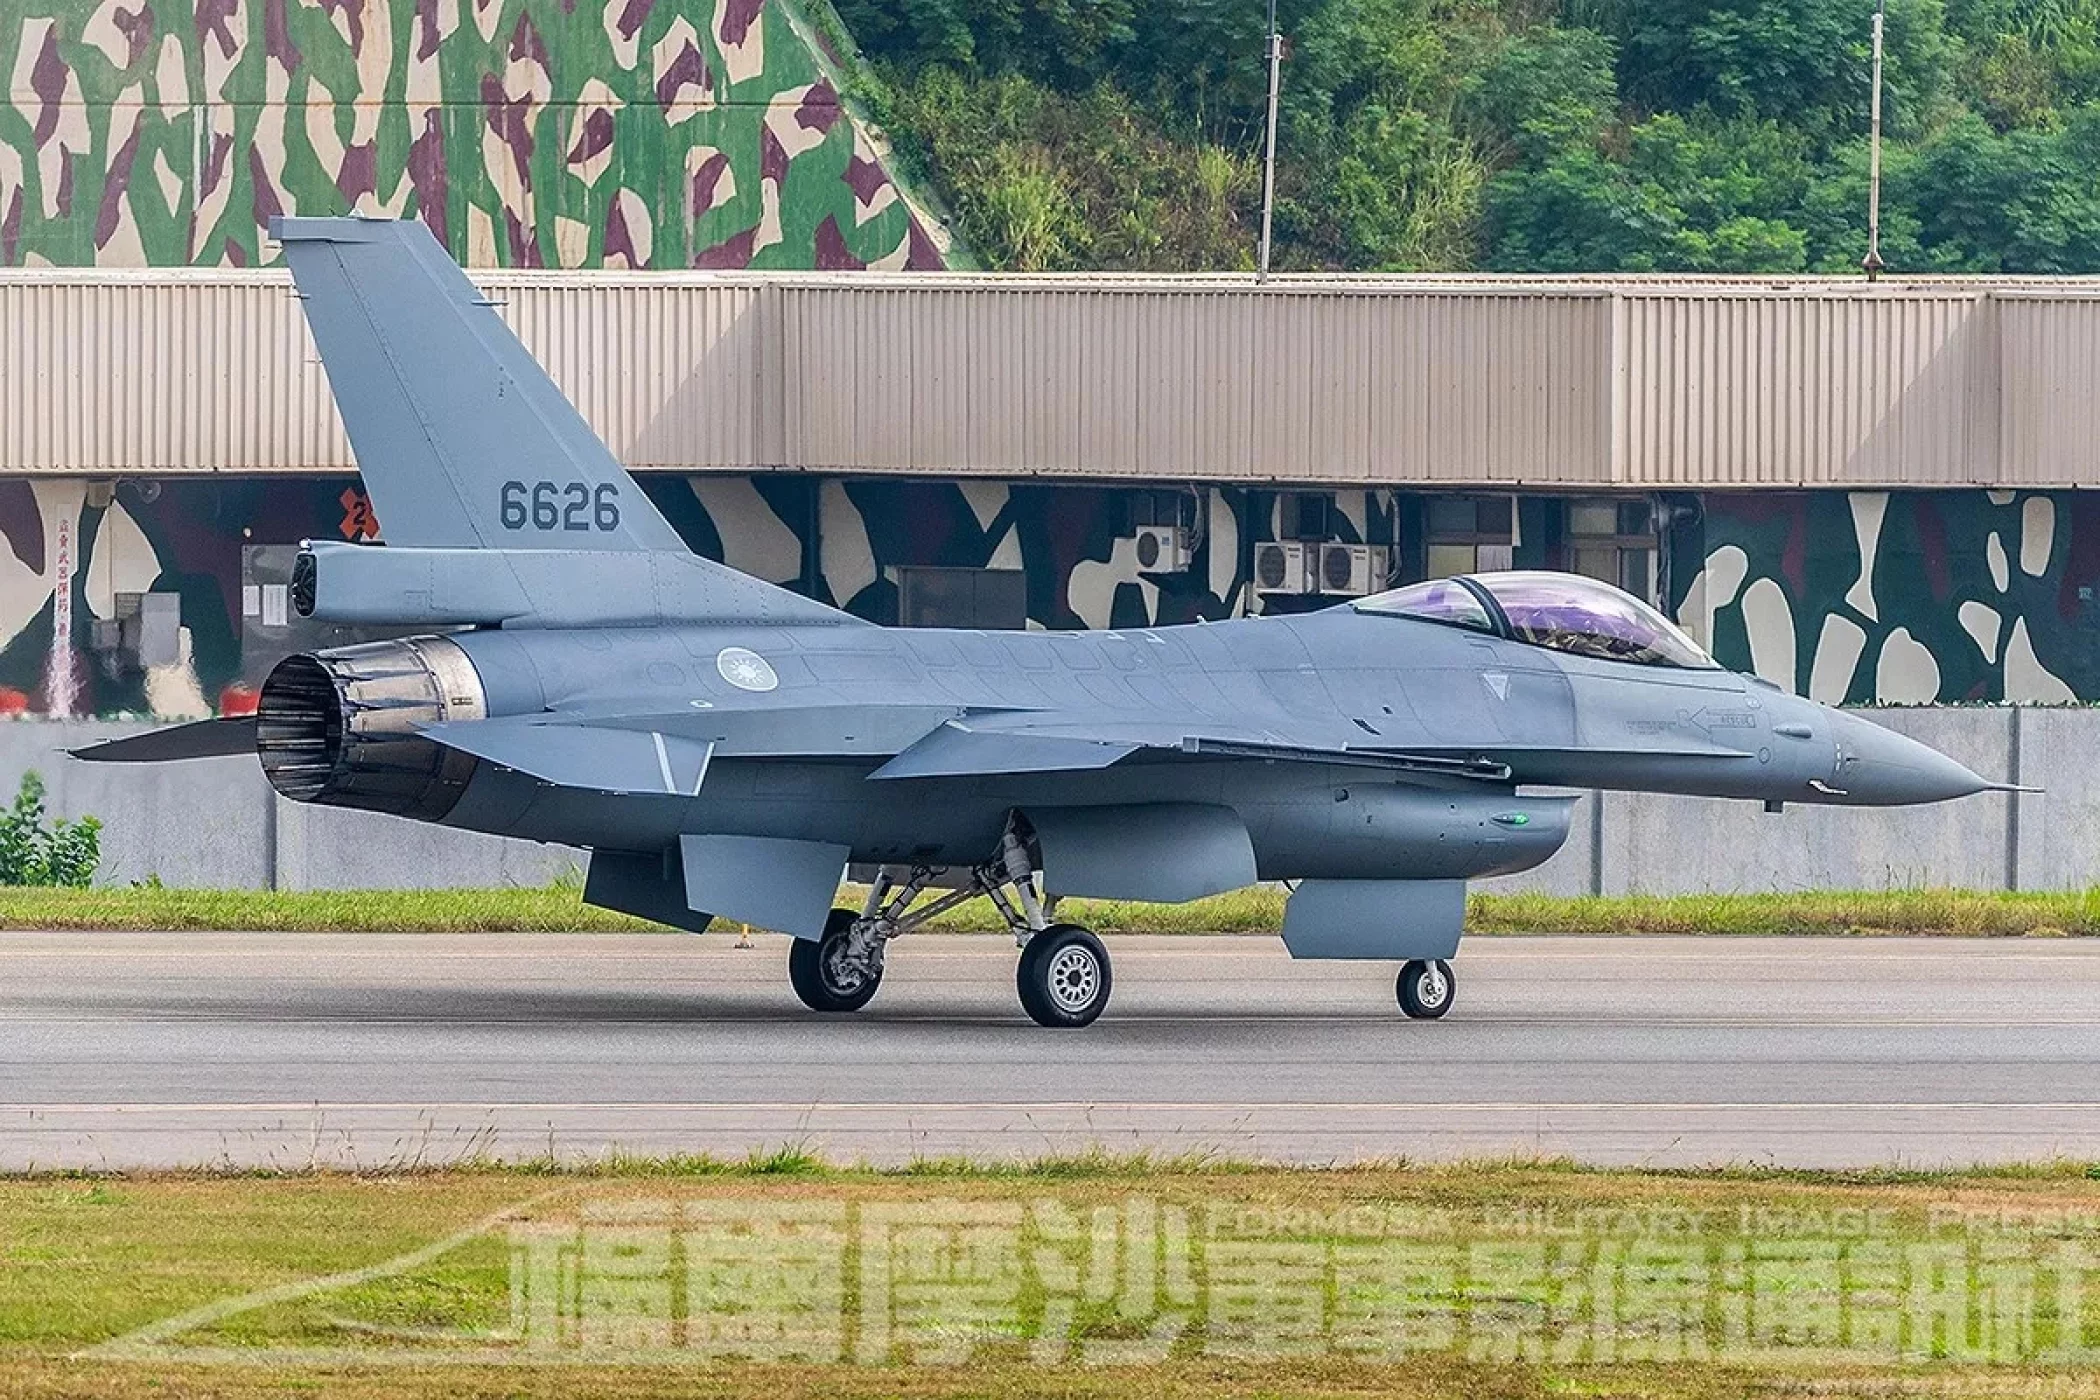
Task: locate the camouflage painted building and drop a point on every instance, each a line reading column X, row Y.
column 660, row 134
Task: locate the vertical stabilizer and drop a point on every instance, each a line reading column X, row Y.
column 461, row 437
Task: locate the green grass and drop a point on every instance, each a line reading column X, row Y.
column 560, row 909
column 87, row 1261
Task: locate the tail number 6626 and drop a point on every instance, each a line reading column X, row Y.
column 556, row 505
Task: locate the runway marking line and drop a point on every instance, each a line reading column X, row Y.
column 965, row 1106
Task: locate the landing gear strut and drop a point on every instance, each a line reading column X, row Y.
column 1063, row 977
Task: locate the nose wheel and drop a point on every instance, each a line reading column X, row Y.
column 1063, row 977
column 1426, row 989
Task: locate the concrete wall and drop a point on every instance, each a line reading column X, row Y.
column 1639, row 843
column 216, row 823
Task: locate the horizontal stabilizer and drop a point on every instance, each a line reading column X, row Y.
column 206, row 738
column 569, row 755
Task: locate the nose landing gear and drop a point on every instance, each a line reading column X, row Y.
column 1063, row 976
column 1426, row 989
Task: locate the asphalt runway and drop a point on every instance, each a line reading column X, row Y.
column 163, row 1049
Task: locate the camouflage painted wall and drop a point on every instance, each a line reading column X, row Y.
column 841, row 541
column 533, row 133
column 1861, row 598
column 1904, row 597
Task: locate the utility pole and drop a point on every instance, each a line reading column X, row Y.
column 1871, row 264
column 1268, row 165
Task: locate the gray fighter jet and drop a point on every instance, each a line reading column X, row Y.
column 728, row 749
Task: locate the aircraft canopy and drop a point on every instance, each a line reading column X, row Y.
column 1562, row 612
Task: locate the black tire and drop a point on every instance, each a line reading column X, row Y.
column 1064, row 977
column 1426, row 989
column 815, row 978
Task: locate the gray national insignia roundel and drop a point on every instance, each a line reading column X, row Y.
column 745, row 669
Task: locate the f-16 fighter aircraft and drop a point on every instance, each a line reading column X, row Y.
column 728, row 749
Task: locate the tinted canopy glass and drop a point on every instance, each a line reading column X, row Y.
column 1568, row 612
column 1443, row 600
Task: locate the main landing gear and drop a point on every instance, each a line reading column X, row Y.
column 1063, row 977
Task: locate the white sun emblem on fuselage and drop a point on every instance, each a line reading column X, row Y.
column 746, row 670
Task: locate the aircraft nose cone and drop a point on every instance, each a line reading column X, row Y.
column 1878, row 767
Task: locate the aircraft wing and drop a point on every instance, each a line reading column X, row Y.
column 669, row 753
column 986, row 745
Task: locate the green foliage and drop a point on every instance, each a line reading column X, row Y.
column 1520, row 135
column 1692, row 195
column 1044, row 181
column 1547, row 90
column 37, row 851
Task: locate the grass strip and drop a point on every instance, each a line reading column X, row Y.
column 560, row 909
column 1525, row 1279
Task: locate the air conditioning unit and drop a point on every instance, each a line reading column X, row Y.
column 1284, row 566
column 1352, row 570
column 1162, row 549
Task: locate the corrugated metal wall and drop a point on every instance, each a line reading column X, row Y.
column 2049, row 431
column 1202, row 383
column 1640, row 383
column 1746, row 390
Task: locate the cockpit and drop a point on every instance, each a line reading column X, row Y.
column 1562, row 612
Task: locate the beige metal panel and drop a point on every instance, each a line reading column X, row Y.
column 2051, row 386
column 667, row 375
column 134, row 375
column 1780, row 389
column 1245, row 370
column 1493, row 389
column 1642, row 383
column 160, row 377
column 1198, row 383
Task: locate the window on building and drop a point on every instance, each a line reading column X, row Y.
column 1161, row 508
column 1469, row 535
column 1309, row 515
column 1614, row 540
column 991, row 599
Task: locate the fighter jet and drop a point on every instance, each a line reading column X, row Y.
column 727, row 749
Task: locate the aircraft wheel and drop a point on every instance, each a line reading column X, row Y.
column 819, row 975
column 1426, row 989
column 1063, row 977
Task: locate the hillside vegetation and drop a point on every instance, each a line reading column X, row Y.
column 1588, row 135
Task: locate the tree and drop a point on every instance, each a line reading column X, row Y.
column 1804, row 62
column 1698, row 195
column 1544, row 91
